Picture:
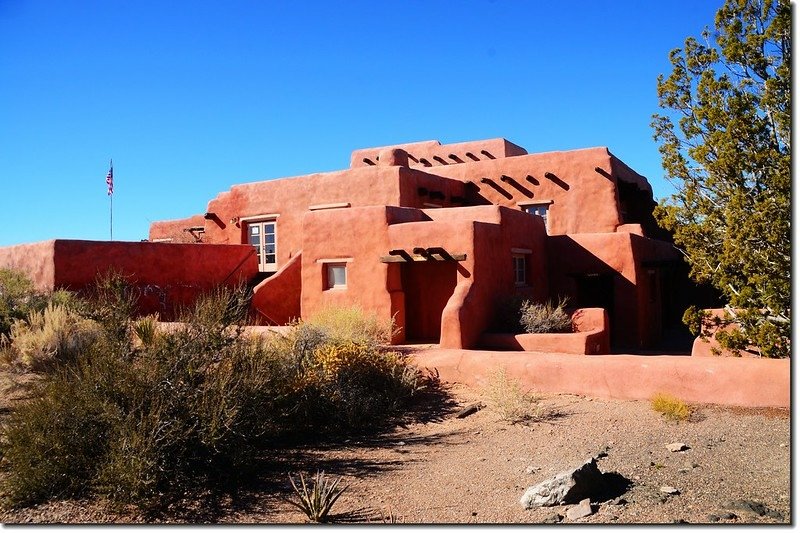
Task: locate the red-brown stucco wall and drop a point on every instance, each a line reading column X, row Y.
column 168, row 275
column 583, row 200
column 36, row 260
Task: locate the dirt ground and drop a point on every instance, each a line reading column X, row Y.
column 439, row 469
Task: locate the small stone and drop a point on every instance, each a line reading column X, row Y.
column 680, row 521
column 619, row 500
column 783, row 445
column 470, row 409
column 748, row 506
column 677, row 447
column 772, row 513
column 684, row 471
column 474, row 513
column 401, row 443
column 583, row 509
column 532, row 469
column 712, row 518
column 554, row 518
column 481, row 458
column 672, row 491
column 728, row 516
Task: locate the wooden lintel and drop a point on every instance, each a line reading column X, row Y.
column 419, row 258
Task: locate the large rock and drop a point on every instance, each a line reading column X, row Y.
column 570, row 486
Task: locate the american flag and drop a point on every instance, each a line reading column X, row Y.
column 110, row 179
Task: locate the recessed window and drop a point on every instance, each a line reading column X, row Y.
column 337, row 275
column 538, row 210
column 520, row 269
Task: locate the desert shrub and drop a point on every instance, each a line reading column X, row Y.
column 147, row 417
column 670, row 407
column 55, row 335
column 340, row 384
column 546, row 317
column 353, row 385
column 143, row 425
column 113, row 301
column 18, row 297
column 507, row 398
column 353, row 324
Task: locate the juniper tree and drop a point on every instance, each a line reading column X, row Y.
column 725, row 143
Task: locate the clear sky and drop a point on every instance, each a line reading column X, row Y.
column 191, row 97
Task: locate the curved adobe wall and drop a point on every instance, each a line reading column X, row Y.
column 276, row 300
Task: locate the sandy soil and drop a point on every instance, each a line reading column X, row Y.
column 441, row 469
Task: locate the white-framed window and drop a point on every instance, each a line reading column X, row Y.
column 520, row 269
column 520, row 258
column 539, row 209
column 263, row 236
column 336, row 275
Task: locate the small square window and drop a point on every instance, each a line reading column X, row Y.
column 337, row 275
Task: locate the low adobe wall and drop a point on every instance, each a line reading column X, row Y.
column 713, row 380
column 591, row 336
column 168, row 275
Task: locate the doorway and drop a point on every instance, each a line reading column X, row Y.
column 428, row 285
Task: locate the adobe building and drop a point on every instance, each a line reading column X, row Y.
column 436, row 236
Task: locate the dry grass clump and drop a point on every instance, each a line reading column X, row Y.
column 513, row 404
column 55, row 335
column 546, row 317
column 670, row 407
column 353, row 324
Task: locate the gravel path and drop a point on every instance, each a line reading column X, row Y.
column 475, row 469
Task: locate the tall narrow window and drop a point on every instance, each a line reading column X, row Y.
column 263, row 237
column 520, row 269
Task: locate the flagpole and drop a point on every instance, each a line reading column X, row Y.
column 111, row 216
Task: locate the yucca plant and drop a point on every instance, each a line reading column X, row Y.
column 317, row 499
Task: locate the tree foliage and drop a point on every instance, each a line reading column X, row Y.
column 725, row 143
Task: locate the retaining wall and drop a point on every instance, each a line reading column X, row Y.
column 724, row 381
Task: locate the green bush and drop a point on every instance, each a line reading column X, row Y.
column 546, row 317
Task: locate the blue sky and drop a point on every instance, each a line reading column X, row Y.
column 189, row 98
